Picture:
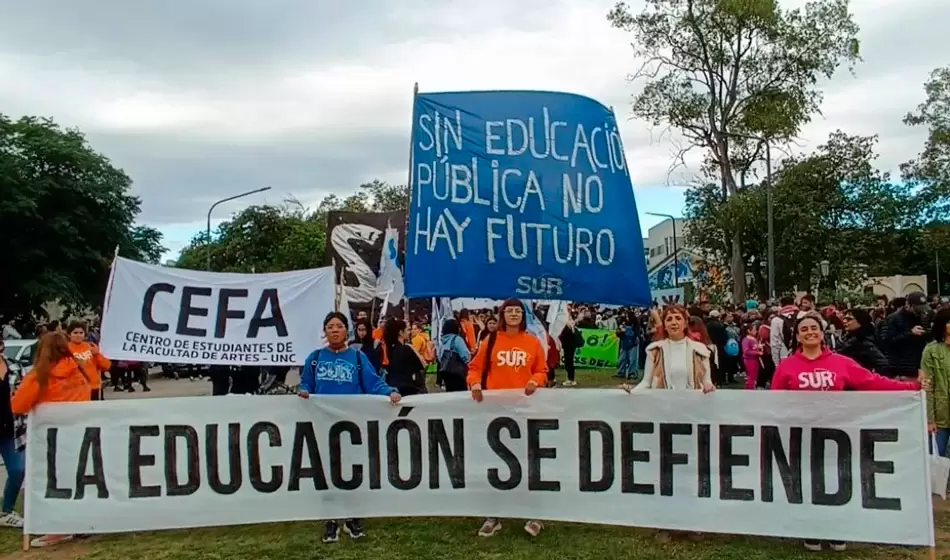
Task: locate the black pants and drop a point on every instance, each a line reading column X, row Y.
column 569, row 354
column 765, row 372
column 245, row 380
column 454, row 383
column 220, row 380
column 717, row 374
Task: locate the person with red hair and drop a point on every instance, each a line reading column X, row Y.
column 57, row 376
column 675, row 360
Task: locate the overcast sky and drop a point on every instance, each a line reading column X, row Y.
column 202, row 99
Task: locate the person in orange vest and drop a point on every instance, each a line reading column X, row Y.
column 92, row 362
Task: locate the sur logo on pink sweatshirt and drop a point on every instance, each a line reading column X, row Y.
column 832, row 372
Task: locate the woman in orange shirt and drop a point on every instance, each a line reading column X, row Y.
column 92, row 362
column 510, row 358
column 55, row 377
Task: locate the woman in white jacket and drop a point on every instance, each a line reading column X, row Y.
column 674, row 361
column 677, row 362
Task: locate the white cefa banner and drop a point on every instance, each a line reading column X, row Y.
column 843, row 466
column 172, row 315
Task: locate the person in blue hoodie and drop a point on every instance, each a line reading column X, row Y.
column 338, row 369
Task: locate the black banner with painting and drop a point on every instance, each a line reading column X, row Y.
column 354, row 248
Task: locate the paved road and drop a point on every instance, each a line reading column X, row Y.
column 164, row 387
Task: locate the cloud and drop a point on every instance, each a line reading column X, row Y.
column 207, row 98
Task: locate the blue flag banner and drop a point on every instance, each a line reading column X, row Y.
column 521, row 193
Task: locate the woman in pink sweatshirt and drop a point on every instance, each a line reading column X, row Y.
column 812, row 367
column 751, row 352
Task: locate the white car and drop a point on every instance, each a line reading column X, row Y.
column 19, row 354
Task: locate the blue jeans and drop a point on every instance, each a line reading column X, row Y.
column 943, row 437
column 13, row 461
column 627, row 362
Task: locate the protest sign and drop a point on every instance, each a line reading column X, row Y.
column 600, row 349
column 177, row 316
column 355, row 243
column 669, row 296
column 840, row 466
column 521, row 193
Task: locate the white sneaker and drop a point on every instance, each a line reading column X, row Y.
column 489, row 527
column 569, row 383
column 11, row 519
column 533, row 527
column 50, row 540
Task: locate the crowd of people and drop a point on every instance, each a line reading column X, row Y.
column 902, row 344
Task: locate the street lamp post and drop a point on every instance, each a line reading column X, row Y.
column 676, row 248
column 824, row 267
column 213, row 206
column 769, row 207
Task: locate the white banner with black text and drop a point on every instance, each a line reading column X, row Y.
column 173, row 315
column 842, row 466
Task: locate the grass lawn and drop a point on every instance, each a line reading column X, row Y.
column 451, row 538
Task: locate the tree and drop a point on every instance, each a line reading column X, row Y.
column 715, row 221
column 64, row 210
column 830, row 205
column 931, row 169
column 719, row 71
column 385, row 197
column 285, row 237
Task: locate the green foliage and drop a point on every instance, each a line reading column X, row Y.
column 716, row 69
column 285, row 237
column 64, row 209
column 931, row 169
column 830, row 205
column 727, row 74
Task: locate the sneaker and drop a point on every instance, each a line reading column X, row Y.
column 47, row 541
column 131, row 389
column 11, row 519
column 837, row 546
column 146, row 389
column 332, row 532
column 354, row 529
column 569, row 383
column 814, row 546
column 489, row 527
column 533, row 527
